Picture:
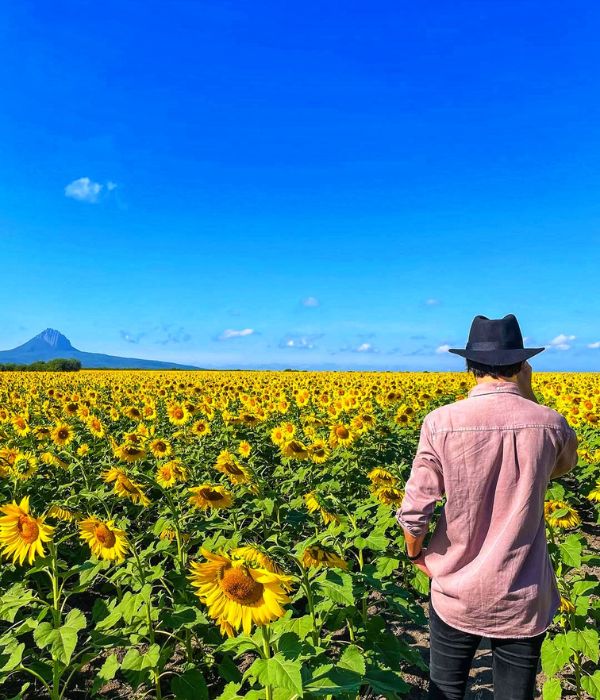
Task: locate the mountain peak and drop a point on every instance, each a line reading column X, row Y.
column 55, row 339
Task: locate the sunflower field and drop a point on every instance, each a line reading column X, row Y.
column 198, row 535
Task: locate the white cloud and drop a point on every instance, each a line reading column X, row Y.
column 110, row 185
column 432, row 302
column 301, row 342
column 561, row 342
column 83, row 190
column 442, row 349
column 595, row 345
column 365, row 347
column 311, row 302
column 231, row 333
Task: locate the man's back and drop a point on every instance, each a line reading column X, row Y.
column 491, row 455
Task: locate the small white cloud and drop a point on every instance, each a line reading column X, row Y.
column 595, row 345
column 365, row 347
column 561, row 342
column 301, row 342
column 432, row 302
column 311, row 302
column 110, row 185
column 83, row 190
column 442, row 349
column 231, row 333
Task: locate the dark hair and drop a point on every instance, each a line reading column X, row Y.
column 495, row 371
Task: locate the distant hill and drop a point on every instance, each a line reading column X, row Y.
column 50, row 344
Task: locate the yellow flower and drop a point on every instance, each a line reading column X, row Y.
column 22, row 535
column 316, row 557
column 237, row 594
column 170, row 534
column 60, row 513
column 82, row 450
column 126, row 487
column 315, row 503
column 318, row 452
column 594, row 494
column 566, row 605
column 568, row 519
column 294, row 449
column 177, row 414
column 24, row 466
column 244, row 448
column 130, row 452
column 160, row 448
column 95, row 426
column 200, row 428
column 169, row 473
column 62, row 434
column 235, row 471
column 105, row 540
column 20, row 425
column 340, row 435
column 208, row 496
column 389, row 495
column 381, row 477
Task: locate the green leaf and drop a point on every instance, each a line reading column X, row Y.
column 353, row 660
column 331, row 680
column 551, row 689
column 277, row 672
column 555, row 654
column 420, row 581
column 337, row 587
column 570, row 550
column 586, row 641
column 230, row 692
column 376, row 542
column 136, row 667
column 11, row 656
column 386, row 566
column 106, row 673
column 15, row 598
column 190, row 686
column 591, row 684
column 387, row 683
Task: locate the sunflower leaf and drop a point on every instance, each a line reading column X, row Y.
column 570, row 550
column 190, row 686
column 277, row 672
column 551, row 689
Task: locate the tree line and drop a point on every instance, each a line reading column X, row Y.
column 58, row 364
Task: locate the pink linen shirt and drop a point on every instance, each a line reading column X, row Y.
column 491, row 455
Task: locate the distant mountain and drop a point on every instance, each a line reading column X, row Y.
column 50, row 344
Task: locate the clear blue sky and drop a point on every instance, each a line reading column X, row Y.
column 313, row 184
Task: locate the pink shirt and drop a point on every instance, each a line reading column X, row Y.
column 491, row 455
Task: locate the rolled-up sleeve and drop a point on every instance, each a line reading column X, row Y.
column 425, row 486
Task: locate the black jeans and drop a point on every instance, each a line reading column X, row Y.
column 514, row 662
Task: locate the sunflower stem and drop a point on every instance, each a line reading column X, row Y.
column 267, row 655
column 311, row 604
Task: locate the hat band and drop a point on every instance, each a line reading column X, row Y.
column 490, row 346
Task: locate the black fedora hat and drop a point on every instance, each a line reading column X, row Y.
column 495, row 341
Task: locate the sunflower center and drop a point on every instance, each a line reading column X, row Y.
column 341, row 432
column 63, row 434
column 211, row 495
column 105, row 536
column 239, row 586
column 232, row 469
column 28, row 529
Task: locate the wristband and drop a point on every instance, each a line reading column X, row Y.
column 416, row 555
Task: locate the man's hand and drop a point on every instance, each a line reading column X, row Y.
column 524, row 382
column 421, row 565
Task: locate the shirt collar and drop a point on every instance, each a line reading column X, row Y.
column 495, row 387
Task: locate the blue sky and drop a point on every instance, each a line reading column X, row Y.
column 313, row 185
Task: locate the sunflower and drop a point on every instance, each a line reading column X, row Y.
column 566, row 605
column 340, row 434
column 594, row 494
column 177, row 414
column 53, row 460
column 316, row 557
column 170, row 534
column 390, row 495
column 42, row 432
column 318, row 452
column 130, row 452
column 255, row 556
column 62, row 434
column 83, row 449
column 22, row 535
column 244, row 448
column 315, row 503
column 381, row 477
column 24, row 466
column 200, row 428
column 568, row 518
column 127, row 488
column 61, row 513
column 95, row 426
column 294, row 449
column 105, row 540
column 238, row 594
column 169, row 473
column 209, row 496
column 160, row 448
column 234, row 470
column 20, row 425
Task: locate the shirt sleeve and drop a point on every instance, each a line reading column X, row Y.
column 425, row 486
column 568, row 440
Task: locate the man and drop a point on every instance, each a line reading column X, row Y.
column 491, row 455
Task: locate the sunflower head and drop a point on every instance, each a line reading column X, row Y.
column 560, row 514
column 22, row 534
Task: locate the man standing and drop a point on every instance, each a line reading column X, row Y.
column 491, row 455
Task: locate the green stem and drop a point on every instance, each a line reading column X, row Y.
column 267, row 655
column 311, row 605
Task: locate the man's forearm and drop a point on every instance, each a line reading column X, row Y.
column 413, row 544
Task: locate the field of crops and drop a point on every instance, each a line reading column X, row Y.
column 232, row 534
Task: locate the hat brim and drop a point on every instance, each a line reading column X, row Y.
column 497, row 357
